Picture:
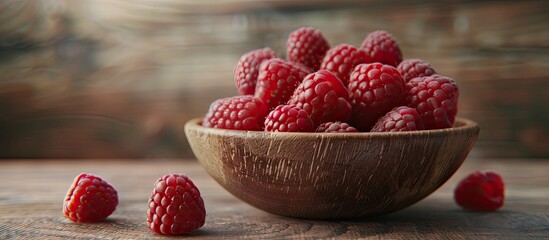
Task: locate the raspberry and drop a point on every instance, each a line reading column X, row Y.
column 411, row 68
column 435, row 98
column 239, row 112
column 375, row 89
column 382, row 47
column 323, row 96
column 307, row 46
column 335, row 127
column 89, row 199
column 342, row 59
column 399, row 119
column 288, row 118
column 247, row 69
column 175, row 206
column 480, row 191
column 277, row 81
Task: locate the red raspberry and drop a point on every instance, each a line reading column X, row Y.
column 323, row 96
column 307, row 46
column 239, row 112
column 277, row 81
column 175, row 206
column 288, row 118
column 247, row 69
column 399, row 119
column 435, row 98
column 480, row 191
column 375, row 89
column 382, row 47
column 342, row 59
column 89, row 199
column 335, row 127
column 411, row 68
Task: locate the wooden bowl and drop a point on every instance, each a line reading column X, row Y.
column 324, row 176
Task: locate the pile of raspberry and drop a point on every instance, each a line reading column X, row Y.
column 369, row 88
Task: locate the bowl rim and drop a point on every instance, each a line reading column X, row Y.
column 460, row 125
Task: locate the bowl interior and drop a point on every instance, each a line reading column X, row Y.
column 321, row 175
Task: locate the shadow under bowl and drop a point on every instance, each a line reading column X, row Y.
column 329, row 175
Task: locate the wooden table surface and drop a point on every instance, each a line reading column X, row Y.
column 32, row 192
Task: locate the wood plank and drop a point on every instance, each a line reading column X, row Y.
column 116, row 79
column 31, row 193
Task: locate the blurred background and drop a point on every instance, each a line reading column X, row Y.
column 119, row 79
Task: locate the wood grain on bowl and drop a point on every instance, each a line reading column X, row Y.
column 322, row 176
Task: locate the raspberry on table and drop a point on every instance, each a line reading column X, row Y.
column 399, row 119
column 382, row 47
column 375, row 89
column 342, row 59
column 244, row 112
column 480, row 191
column 89, row 199
column 247, row 69
column 323, row 96
column 175, row 206
column 307, row 46
column 288, row 118
column 435, row 98
column 411, row 68
column 336, row 127
column 277, row 81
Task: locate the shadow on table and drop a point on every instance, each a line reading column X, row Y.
column 415, row 222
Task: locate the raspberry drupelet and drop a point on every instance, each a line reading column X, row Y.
column 288, row 118
column 247, row 69
column 411, row 68
column 382, row 47
column 336, row 127
column 435, row 98
column 307, row 46
column 277, row 81
column 89, row 199
column 239, row 113
column 324, row 97
column 175, row 206
column 399, row 119
column 481, row 191
column 374, row 89
column 342, row 59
